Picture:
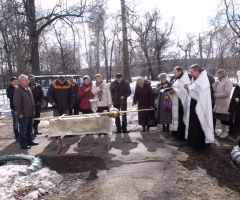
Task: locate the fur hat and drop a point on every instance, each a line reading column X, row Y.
column 162, row 76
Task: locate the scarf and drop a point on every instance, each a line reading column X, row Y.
column 100, row 93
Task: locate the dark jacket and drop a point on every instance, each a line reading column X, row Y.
column 234, row 109
column 23, row 101
column 10, row 91
column 163, row 116
column 144, row 98
column 75, row 90
column 62, row 95
column 118, row 90
column 37, row 96
column 85, row 96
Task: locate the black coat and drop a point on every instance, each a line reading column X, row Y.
column 10, row 91
column 37, row 96
column 234, row 109
column 118, row 90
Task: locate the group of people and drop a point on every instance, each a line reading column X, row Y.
column 66, row 97
column 189, row 105
column 195, row 101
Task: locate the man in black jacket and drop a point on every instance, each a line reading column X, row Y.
column 10, row 91
column 38, row 97
column 120, row 91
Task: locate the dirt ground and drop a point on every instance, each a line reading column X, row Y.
column 143, row 166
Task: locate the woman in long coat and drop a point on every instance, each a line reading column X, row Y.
column 164, row 117
column 143, row 96
column 234, row 110
column 222, row 90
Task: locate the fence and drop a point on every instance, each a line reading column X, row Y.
column 3, row 97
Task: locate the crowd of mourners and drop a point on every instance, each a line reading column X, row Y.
column 188, row 105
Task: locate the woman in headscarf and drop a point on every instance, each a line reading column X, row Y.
column 143, row 96
column 222, row 90
column 85, row 93
column 234, row 110
column 164, row 117
column 101, row 91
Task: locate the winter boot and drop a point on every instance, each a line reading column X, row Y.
column 143, row 129
column 225, row 132
column 222, row 130
column 148, row 128
column 163, row 128
column 167, row 130
column 35, row 128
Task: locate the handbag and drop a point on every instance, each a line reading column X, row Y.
column 167, row 104
column 152, row 121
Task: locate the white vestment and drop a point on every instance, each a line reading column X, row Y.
column 182, row 94
column 200, row 91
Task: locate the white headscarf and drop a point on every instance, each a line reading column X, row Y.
column 238, row 75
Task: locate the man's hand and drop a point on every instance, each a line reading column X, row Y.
column 109, row 105
column 185, row 86
column 20, row 116
column 171, row 91
column 216, row 83
column 133, row 104
column 151, row 107
column 237, row 100
column 229, row 113
column 165, row 85
column 32, row 87
column 215, row 95
column 54, row 104
column 87, row 89
column 121, row 97
column 37, row 104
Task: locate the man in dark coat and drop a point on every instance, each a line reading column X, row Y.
column 60, row 94
column 76, row 107
column 143, row 96
column 10, row 91
column 38, row 97
column 24, row 104
column 120, row 91
column 234, row 110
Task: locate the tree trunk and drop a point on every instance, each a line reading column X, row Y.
column 126, row 73
column 105, row 55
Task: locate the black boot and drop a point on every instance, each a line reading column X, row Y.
column 143, row 129
column 148, row 128
column 163, row 128
column 168, row 130
column 35, row 128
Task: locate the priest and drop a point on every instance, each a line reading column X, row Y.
column 199, row 131
column 179, row 96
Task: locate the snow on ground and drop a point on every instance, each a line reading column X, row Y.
column 31, row 187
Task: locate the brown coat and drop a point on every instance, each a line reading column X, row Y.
column 144, row 98
column 222, row 92
column 24, row 102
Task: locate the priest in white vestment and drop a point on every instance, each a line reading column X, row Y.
column 199, row 131
column 179, row 96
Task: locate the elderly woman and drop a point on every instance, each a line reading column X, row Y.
column 222, row 90
column 234, row 110
column 164, row 117
column 101, row 91
column 143, row 96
